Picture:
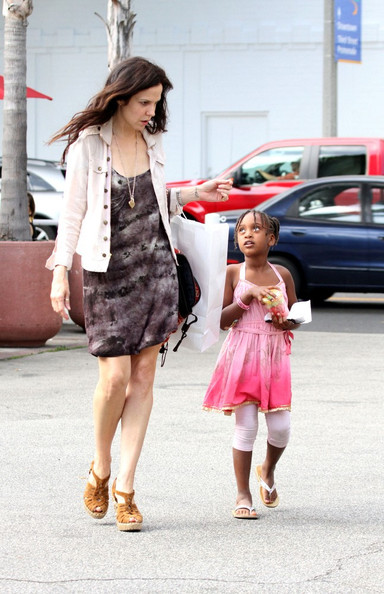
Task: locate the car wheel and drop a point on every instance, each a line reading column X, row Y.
column 320, row 295
column 301, row 290
column 44, row 233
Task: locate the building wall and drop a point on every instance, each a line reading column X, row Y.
column 243, row 74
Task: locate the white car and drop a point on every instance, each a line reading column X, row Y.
column 45, row 181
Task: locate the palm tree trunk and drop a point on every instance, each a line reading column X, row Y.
column 119, row 24
column 14, row 223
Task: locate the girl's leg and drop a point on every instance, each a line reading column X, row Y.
column 279, row 424
column 135, row 415
column 245, row 434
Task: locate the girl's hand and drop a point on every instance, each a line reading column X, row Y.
column 260, row 292
column 60, row 292
column 214, row 190
column 256, row 292
column 283, row 324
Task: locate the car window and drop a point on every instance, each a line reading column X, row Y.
column 37, row 183
column 342, row 160
column 332, row 203
column 377, row 205
column 276, row 163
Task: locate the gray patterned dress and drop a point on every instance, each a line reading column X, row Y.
column 134, row 304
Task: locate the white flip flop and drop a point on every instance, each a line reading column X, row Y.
column 263, row 485
column 242, row 517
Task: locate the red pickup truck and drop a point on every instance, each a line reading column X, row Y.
column 277, row 166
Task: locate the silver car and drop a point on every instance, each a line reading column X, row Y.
column 45, row 181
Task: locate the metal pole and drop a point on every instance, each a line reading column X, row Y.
column 329, row 73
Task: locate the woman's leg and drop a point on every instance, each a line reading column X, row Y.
column 245, row 434
column 279, row 424
column 135, row 415
column 108, row 403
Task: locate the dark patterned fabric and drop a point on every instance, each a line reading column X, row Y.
column 134, row 304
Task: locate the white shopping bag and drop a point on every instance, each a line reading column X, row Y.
column 205, row 246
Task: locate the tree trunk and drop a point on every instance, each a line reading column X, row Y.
column 14, row 223
column 119, row 24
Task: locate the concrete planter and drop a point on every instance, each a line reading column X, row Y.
column 26, row 315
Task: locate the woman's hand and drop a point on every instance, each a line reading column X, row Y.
column 60, row 292
column 214, row 190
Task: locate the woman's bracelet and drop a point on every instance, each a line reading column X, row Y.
column 241, row 304
column 179, row 201
column 178, row 198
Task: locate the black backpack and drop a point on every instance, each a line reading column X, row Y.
column 189, row 295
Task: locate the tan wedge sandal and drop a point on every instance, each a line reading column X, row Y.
column 128, row 517
column 96, row 496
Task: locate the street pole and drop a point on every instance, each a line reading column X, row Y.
column 329, row 72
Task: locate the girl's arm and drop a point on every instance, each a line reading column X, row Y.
column 231, row 311
column 279, row 322
column 289, row 285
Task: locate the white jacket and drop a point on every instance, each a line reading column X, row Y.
column 85, row 218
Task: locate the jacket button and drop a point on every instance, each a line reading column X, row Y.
column 99, row 169
column 105, row 238
column 104, row 255
column 108, row 158
column 105, row 190
column 105, row 222
column 105, row 205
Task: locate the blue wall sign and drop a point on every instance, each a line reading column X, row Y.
column 347, row 30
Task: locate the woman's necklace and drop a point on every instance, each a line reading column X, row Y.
column 131, row 192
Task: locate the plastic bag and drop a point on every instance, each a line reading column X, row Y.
column 205, row 246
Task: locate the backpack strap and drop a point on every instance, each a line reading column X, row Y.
column 184, row 329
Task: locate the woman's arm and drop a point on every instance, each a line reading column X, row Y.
column 60, row 291
column 213, row 190
column 71, row 216
column 73, row 207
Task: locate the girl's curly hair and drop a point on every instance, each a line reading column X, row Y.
column 271, row 224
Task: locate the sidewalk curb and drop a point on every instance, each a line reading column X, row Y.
column 69, row 337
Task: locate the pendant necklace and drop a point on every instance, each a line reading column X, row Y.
column 131, row 201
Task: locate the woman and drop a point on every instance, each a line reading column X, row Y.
column 115, row 214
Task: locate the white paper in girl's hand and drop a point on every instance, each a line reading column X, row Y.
column 300, row 313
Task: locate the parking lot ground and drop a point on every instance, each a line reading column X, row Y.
column 326, row 535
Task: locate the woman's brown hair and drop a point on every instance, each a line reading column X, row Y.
column 127, row 78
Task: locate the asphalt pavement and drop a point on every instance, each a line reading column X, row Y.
column 325, row 536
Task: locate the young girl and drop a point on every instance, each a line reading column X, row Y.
column 253, row 368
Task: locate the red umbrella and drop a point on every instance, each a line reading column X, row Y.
column 31, row 93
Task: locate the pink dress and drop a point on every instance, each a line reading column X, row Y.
column 253, row 365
